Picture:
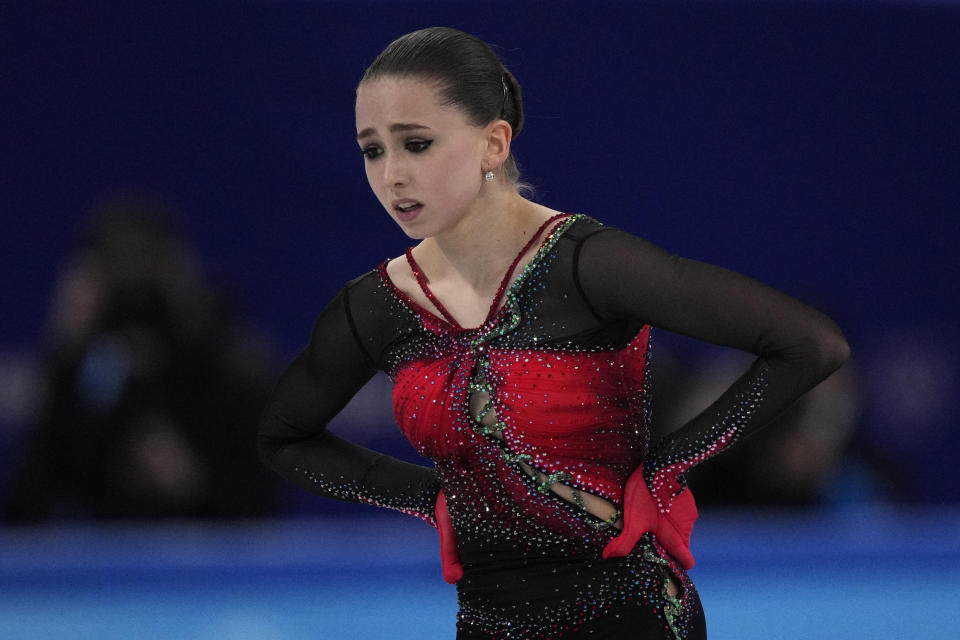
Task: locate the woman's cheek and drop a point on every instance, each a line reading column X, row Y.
column 464, row 191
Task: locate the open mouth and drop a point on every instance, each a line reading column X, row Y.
column 407, row 208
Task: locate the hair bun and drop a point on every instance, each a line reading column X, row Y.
column 513, row 102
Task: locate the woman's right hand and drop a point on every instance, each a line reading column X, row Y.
column 449, row 557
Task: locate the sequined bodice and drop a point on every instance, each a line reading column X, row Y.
column 562, row 415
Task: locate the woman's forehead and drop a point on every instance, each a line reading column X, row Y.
column 401, row 99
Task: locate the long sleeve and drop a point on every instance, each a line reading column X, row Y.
column 622, row 276
column 293, row 439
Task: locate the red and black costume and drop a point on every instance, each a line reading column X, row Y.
column 564, row 362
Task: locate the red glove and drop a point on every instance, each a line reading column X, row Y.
column 641, row 514
column 449, row 558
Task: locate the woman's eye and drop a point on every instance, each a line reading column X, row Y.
column 418, row 146
column 371, row 152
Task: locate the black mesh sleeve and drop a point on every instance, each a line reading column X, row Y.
column 293, row 439
column 623, row 276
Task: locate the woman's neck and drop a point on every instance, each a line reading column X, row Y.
column 485, row 241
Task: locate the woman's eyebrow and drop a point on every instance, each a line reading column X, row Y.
column 398, row 126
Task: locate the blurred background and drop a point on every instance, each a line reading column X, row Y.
column 183, row 194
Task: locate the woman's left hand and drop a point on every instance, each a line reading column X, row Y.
column 641, row 514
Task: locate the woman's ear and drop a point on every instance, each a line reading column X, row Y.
column 498, row 136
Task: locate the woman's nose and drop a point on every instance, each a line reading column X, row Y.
column 394, row 172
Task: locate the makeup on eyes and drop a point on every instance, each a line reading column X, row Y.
column 413, row 145
column 418, row 145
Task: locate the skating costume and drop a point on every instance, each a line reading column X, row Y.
column 537, row 411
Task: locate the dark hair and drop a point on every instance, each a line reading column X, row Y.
column 467, row 72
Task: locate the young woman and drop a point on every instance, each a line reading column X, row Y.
column 516, row 337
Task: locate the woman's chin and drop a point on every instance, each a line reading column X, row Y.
column 412, row 230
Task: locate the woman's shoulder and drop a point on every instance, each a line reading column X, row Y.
column 366, row 279
column 583, row 227
column 381, row 292
column 366, row 290
column 398, row 272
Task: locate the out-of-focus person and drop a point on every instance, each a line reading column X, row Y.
column 154, row 384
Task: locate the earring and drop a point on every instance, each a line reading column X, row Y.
column 488, row 176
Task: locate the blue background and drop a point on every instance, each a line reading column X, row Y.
column 811, row 145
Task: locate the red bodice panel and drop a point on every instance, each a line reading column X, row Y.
column 563, row 409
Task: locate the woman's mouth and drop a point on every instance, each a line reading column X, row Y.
column 406, row 210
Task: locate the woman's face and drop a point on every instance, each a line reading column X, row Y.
column 423, row 160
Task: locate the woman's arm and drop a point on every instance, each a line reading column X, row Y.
column 293, row 439
column 797, row 346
